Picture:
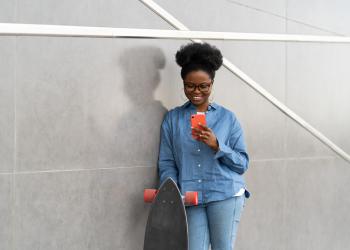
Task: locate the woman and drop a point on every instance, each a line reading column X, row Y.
column 213, row 164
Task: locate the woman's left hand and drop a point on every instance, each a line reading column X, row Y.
column 207, row 136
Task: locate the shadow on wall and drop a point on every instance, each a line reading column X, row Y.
column 117, row 206
column 132, row 139
column 139, row 129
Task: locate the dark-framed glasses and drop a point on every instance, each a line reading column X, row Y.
column 203, row 87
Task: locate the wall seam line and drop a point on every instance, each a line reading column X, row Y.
column 289, row 19
column 13, row 214
column 285, row 136
column 133, row 167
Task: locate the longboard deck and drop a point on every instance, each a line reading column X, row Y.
column 167, row 224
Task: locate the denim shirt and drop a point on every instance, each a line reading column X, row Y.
column 192, row 164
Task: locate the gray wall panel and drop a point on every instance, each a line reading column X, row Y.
column 329, row 15
column 232, row 17
column 317, row 90
column 100, row 209
column 121, row 14
column 264, row 213
column 315, row 202
column 7, row 104
column 296, row 204
column 50, row 103
column 108, row 112
column 270, row 6
column 6, row 205
column 7, row 11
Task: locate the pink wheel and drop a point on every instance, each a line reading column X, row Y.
column 149, row 195
column 191, row 198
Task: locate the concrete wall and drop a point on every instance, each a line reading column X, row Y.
column 79, row 124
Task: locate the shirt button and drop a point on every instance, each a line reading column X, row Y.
column 198, row 150
column 199, row 181
column 199, row 165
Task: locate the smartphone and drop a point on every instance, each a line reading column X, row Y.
column 197, row 118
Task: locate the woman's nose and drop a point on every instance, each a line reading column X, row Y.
column 196, row 90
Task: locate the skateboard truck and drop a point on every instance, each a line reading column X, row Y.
column 190, row 197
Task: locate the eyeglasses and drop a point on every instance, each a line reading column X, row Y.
column 191, row 87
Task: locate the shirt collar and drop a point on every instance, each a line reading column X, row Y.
column 189, row 104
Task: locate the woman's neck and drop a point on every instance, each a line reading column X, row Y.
column 203, row 107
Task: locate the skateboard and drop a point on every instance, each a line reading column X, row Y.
column 166, row 227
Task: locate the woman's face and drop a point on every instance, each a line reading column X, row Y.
column 197, row 87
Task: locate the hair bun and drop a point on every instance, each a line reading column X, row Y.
column 199, row 53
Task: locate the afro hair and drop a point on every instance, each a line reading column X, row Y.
column 195, row 56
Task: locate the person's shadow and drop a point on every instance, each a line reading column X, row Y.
column 139, row 130
column 132, row 138
column 134, row 142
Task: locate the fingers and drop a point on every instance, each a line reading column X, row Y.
column 201, row 135
column 204, row 137
column 200, row 132
column 197, row 130
column 204, row 127
column 205, row 134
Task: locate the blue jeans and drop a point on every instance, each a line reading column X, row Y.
column 214, row 223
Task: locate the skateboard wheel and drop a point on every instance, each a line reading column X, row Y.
column 191, row 198
column 149, row 195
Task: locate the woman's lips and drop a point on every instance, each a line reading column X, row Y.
column 196, row 98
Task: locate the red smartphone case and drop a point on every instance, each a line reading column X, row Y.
column 197, row 118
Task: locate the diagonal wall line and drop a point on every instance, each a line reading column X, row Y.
column 253, row 84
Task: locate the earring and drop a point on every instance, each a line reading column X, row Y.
column 211, row 98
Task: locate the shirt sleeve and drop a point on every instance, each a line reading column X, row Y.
column 234, row 153
column 166, row 162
